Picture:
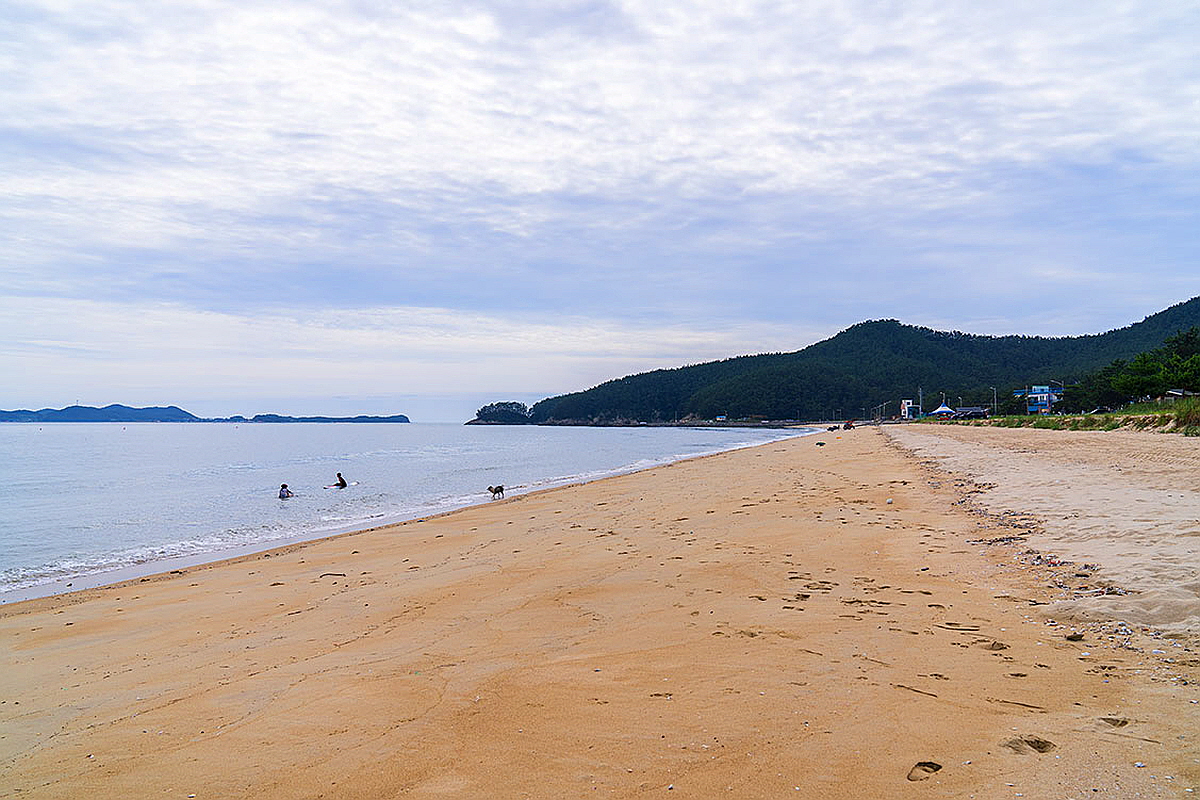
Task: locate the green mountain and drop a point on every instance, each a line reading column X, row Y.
column 865, row 365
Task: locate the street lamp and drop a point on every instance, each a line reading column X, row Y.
column 1061, row 391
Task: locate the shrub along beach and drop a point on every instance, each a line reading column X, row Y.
column 951, row 611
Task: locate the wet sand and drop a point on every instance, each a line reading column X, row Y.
column 761, row 623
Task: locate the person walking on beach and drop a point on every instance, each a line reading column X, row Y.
column 341, row 482
column 284, row 492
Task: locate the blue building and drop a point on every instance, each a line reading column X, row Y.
column 1039, row 399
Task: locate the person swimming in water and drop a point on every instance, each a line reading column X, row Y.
column 284, row 492
column 341, row 482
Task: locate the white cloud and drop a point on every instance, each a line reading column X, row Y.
column 247, row 109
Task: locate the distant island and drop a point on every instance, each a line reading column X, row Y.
column 120, row 413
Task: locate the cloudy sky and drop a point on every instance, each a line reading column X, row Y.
column 336, row 208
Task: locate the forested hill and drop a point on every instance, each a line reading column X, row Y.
column 864, row 365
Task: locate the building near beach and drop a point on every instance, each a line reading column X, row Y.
column 1039, row 399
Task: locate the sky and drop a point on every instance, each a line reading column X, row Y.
column 348, row 207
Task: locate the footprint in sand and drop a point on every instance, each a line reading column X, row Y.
column 1025, row 745
column 922, row 770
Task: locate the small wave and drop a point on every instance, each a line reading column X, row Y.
column 322, row 514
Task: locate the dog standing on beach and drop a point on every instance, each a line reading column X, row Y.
column 497, row 492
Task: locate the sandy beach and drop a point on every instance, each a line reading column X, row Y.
column 918, row 611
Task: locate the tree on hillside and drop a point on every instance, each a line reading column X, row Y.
column 1175, row 365
column 1184, row 344
column 1143, row 376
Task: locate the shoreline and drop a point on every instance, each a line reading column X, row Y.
column 83, row 593
column 157, row 568
column 780, row 619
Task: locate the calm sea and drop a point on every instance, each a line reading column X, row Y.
column 86, row 504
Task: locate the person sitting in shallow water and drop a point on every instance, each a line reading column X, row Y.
column 341, row 482
column 284, row 492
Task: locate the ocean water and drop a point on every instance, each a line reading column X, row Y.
column 88, row 503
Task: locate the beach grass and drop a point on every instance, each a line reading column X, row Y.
column 1187, row 416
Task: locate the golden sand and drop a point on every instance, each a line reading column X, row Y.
column 783, row 621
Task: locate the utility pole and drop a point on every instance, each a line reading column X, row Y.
column 993, row 388
column 920, row 402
